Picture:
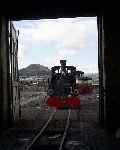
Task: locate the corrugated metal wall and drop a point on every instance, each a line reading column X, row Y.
column 9, row 93
column 13, row 64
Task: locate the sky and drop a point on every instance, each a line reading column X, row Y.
column 46, row 41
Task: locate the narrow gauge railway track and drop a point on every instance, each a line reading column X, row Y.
column 40, row 134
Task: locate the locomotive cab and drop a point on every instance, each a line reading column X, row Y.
column 62, row 90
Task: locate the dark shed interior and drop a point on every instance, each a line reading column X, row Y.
column 108, row 43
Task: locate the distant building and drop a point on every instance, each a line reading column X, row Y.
column 33, row 78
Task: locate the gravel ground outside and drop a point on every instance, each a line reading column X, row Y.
column 84, row 128
column 84, row 121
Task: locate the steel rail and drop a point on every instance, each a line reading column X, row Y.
column 65, row 131
column 41, row 131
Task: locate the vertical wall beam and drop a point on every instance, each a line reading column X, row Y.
column 101, row 70
column 5, row 98
column 112, row 68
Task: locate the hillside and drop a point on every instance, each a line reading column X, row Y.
column 34, row 70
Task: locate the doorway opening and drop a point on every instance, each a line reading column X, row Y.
column 41, row 45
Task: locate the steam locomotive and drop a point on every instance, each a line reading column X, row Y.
column 62, row 89
column 84, row 83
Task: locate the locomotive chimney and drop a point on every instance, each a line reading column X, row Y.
column 63, row 63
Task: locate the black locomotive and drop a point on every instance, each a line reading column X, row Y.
column 62, row 90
